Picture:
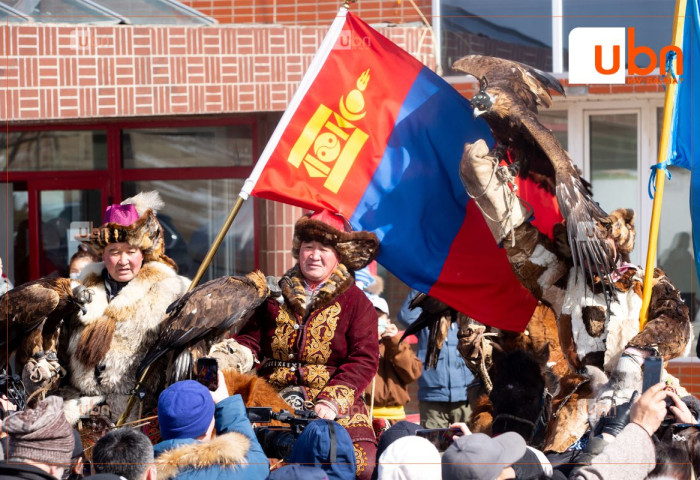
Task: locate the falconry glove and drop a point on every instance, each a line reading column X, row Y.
column 500, row 207
column 231, row 354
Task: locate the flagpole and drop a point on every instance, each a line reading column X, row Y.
column 678, row 23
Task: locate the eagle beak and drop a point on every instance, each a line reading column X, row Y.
column 478, row 112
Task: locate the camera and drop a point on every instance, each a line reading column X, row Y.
column 277, row 442
column 13, row 388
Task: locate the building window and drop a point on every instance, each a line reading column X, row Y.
column 36, row 150
column 614, row 156
column 60, row 179
column 215, row 146
column 524, row 31
column 194, row 213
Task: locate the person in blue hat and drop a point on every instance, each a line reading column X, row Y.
column 188, row 414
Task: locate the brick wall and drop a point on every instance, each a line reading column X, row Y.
column 305, row 12
column 52, row 72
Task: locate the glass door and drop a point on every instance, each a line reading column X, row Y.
column 47, row 217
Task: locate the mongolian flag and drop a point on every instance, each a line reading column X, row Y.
column 376, row 136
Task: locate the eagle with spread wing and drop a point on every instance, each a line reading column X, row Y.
column 32, row 315
column 203, row 316
column 508, row 99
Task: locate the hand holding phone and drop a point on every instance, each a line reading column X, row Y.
column 208, row 373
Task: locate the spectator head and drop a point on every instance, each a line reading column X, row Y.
column 124, row 452
column 480, row 456
column 398, row 430
column 186, row 410
column 41, row 436
column 326, row 444
column 409, row 458
column 298, row 472
column 80, row 259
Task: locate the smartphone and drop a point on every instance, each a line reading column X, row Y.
column 652, row 372
column 440, row 437
column 208, row 373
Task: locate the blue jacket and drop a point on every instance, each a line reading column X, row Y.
column 234, row 444
column 448, row 381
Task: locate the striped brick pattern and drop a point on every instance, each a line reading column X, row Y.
column 304, row 12
column 52, row 72
column 277, row 228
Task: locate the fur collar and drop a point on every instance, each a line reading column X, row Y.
column 227, row 450
column 292, row 284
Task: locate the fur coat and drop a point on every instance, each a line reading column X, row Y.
column 136, row 313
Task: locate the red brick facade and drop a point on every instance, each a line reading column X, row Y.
column 52, row 72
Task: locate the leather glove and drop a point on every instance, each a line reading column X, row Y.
column 480, row 176
column 616, row 419
column 231, row 354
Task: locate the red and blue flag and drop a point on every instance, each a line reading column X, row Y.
column 376, row 136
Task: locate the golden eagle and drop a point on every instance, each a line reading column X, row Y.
column 508, row 98
column 213, row 310
column 32, row 315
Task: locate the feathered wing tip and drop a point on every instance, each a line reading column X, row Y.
column 182, row 367
column 585, row 228
column 145, row 201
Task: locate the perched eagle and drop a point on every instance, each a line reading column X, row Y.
column 208, row 313
column 508, row 98
column 437, row 317
column 32, row 314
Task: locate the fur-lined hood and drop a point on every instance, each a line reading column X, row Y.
column 225, row 451
column 292, row 285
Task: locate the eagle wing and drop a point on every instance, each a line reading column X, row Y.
column 217, row 307
column 32, row 313
column 585, row 219
column 531, row 85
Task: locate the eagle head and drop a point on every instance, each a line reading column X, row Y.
column 481, row 103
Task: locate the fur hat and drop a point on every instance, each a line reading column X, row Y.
column 355, row 249
column 134, row 222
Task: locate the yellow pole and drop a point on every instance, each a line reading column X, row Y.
column 678, row 23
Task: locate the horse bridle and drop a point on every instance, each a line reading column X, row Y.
column 542, row 417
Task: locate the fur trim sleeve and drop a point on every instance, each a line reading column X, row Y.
column 226, row 451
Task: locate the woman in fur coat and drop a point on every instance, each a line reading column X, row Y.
column 132, row 287
column 318, row 342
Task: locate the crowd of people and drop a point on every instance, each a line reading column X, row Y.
column 326, row 342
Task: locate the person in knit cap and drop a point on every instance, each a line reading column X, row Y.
column 318, row 343
column 188, row 414
column 132, row 286
column 40, row 442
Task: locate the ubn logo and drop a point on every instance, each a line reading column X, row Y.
column 347, row 41
column 83, row 39
column 596, row 55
